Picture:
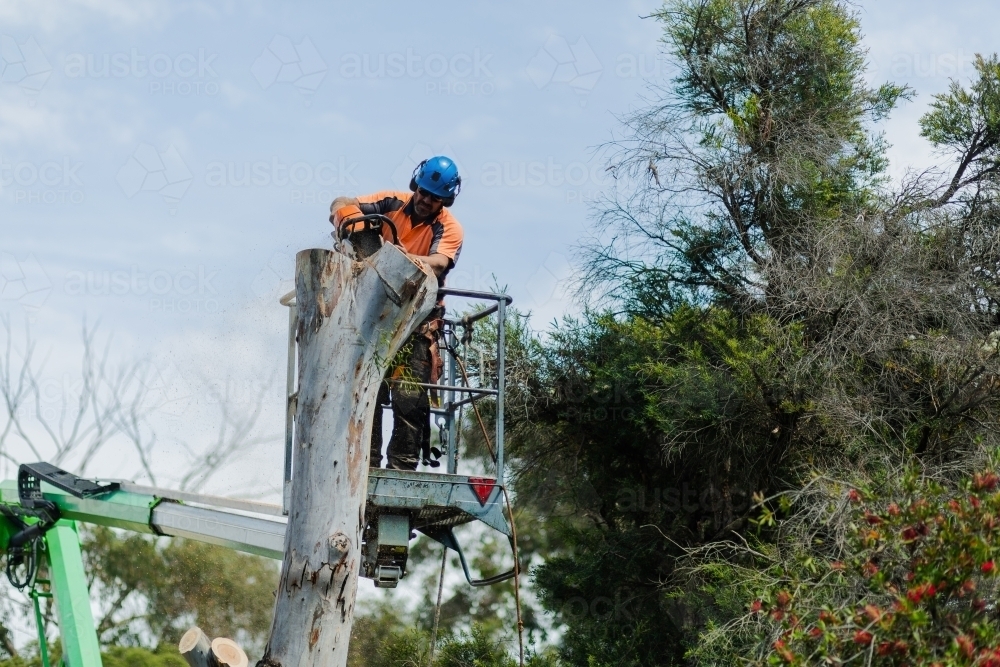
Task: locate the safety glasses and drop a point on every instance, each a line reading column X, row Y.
column 429, row 195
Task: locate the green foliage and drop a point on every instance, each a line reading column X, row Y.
column 774, row 307
column 116, row 656
column 645, row 430
column 121, row 656
column 764, row 134
column 476, row 649
column 962, row 117
column 381, row 640
column 916, row 584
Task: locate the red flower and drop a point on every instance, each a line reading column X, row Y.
column 965, row 645
column 917, row 593
column 784, row 598
column 974, row 501
column 815, row 633
column 884, row 648
column 987, row 567
column 985, row 481
column 873, row 612
column 782, row 650
column 863, row 637
column 910, row 534
column 827, row 617
column 854, row 496
column 989, row 658
column 893, row 509
column 756, row 606
column 777, row 614
column 873, row 519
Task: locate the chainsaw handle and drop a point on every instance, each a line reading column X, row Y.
column 369, row 221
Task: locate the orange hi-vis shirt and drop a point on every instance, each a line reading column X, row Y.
column 441, row 235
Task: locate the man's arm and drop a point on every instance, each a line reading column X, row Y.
column 436, row 262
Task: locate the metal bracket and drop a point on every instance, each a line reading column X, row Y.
column 31, row 475
column 447, row 538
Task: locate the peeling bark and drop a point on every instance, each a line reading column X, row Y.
column 353, row 317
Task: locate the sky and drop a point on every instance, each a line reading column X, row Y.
column 162, row 162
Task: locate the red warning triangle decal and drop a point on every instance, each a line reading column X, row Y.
column 482, row 487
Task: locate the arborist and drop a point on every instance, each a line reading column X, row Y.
column 430, row 235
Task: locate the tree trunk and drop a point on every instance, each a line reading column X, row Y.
column 353, row 317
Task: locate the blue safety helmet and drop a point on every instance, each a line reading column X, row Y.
column 439, row 176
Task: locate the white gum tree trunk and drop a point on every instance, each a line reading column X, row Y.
column 353, row 317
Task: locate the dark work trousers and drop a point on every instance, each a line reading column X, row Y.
column 411, row 409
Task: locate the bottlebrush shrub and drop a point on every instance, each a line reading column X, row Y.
column 918, row 584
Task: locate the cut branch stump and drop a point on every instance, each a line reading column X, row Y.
column 198, row 651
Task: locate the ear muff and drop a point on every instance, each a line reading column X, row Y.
column 413, row 178
column 458, row 188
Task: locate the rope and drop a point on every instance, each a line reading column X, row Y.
column 437, row 608
column 517, row 577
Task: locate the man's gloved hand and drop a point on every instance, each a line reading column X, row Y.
column 346, row 213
